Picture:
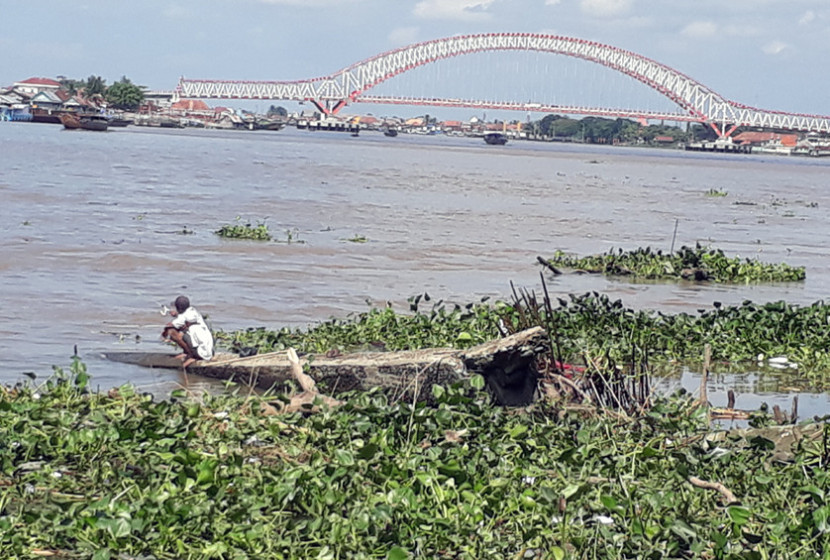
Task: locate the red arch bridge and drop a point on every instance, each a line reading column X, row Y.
column 695, row 101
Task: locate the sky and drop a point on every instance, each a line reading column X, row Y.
column 771, row 54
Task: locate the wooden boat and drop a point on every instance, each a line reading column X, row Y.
column 508, row 366
column 70, row 121
column 75, row 121
column 495, row 138
column 265, row 124
column 170, row 123
column 119, row 122
column 94, row 122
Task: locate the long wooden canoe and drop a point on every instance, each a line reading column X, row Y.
column 507, row 364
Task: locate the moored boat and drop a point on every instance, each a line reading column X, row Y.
column 94, row 122
column 119, row 122
column 70, row 121
column 76, row 121
column 495, row 138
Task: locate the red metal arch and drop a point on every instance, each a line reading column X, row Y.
column 623, row 61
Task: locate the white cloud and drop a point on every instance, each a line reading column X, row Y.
column 401, row 36
column 606, row 8
column 775, row 47
column 700, row 29
column 808, row 17
column 465, row 10
column 552, row 2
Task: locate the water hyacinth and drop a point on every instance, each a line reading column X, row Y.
column 174, row 478
column 581, row 326
column 239, row 230
column 698, row 263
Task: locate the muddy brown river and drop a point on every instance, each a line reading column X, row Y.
column 98, row 230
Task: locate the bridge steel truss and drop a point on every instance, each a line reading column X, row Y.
column 332, row 93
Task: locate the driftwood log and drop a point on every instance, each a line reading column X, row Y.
column 508, row 366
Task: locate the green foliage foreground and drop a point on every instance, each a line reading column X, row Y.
column 698, row 263
column 121, row 476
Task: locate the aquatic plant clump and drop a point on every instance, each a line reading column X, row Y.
column 119, row 475
column 258, row 232
column 379, row 329
column 698, row 263
column 581, row 326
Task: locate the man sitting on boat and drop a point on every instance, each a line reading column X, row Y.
column 189, row 330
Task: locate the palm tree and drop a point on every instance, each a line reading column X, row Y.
column 95, row 85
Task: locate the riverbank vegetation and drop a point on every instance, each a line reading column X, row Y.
column 600, row 130
column 123, row 94
column 119, row 475
column 698, row 263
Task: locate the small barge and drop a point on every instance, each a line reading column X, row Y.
column 719, row 145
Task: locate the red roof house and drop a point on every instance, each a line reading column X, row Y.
column 36, row 85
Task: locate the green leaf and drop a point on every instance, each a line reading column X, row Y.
column 821, row 517
column 571, row 490
column 397, row 553
column 120, row 528
column 477, row 382
column 464, row 337
column 207, row 472
column 609, row 502
column 368, row 451
column 517, row 431
column 739, row 515
column 557, row 553
column 438, row 391
column 344, row 457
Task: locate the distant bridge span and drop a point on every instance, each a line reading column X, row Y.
column 331, row 93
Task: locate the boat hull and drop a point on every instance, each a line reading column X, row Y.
column 70, row 121
column 495, row 139
column 507, row 364
column 99, row 124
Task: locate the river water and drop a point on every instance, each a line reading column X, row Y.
column 93, row 242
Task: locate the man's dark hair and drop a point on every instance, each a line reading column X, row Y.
column 182, row 303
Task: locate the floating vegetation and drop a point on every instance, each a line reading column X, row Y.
column 698, row 263
column 716, row 193
column 239, row 230
column 119, row 475
column 380, row 328
column 583, row 326
column 357, row 239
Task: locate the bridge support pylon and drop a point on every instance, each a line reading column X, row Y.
column 723, row 131
column 327, row 109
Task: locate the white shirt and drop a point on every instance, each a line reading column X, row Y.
column 198, row 330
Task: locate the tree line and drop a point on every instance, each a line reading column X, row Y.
column 598, row 130
column 123, row 94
